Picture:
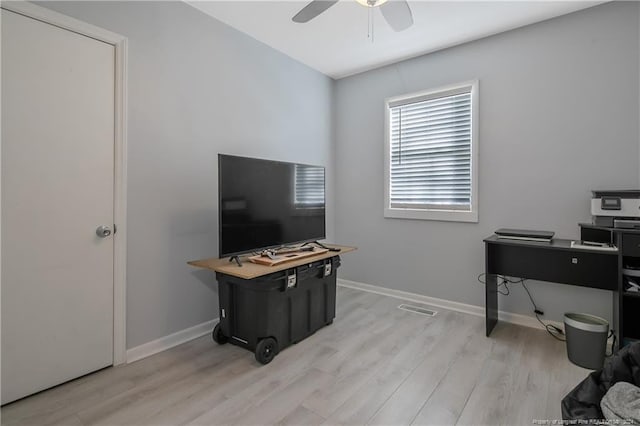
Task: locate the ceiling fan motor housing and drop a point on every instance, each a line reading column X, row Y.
column 371, row 3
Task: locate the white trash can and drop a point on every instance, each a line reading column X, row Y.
column 586, row 339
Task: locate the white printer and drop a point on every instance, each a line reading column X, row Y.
column 616, row 209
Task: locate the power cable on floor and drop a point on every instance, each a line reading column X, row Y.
column 554, row 331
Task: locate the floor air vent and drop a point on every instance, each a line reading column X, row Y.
column 418, row 310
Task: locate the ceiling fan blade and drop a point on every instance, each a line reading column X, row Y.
column 398, row 14
column 313, row 9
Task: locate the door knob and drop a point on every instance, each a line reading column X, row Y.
column 103, row 231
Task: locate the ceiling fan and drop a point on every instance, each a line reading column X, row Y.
column 397, row 13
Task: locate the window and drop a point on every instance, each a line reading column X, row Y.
column 431, row 148
column 308, row 186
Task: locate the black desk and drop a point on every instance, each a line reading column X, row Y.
column 556, row 262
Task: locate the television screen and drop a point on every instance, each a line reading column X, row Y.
column 265, row 203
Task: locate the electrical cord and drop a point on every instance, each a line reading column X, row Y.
column 504, row 283
column 551, row 329
column 554, row 331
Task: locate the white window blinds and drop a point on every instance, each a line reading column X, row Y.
column 430, row 143
column 309, row 186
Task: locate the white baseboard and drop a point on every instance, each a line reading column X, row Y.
column 168, row 342
column 175, row 339
column 519, row 319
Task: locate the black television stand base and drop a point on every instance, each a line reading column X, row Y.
column 237, row 259
column 319, row 244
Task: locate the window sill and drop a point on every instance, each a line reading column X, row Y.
column 440, row 215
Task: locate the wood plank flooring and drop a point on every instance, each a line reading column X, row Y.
column 375, row 364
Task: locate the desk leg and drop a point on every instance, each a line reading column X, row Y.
column 491, row 302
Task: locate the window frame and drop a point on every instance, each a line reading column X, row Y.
column 433, row 213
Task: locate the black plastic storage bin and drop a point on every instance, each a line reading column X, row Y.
column 268, row 313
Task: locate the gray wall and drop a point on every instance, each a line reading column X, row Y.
column 558, row 117
column 198, row 88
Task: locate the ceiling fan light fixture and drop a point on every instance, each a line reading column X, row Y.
column 371, row 3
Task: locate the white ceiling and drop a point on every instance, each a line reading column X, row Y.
column 336, row 43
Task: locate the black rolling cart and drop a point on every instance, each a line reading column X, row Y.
column 264, row 309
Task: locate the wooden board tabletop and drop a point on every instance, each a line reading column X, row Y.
column 250, row 270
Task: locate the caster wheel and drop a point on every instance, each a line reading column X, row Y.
column 266, row 350
column 217, row 335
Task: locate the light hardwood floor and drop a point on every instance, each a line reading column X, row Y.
column 375, row 364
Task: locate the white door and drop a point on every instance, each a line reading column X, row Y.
column 57, row 188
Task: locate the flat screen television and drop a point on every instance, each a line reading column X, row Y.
column 265, row 204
